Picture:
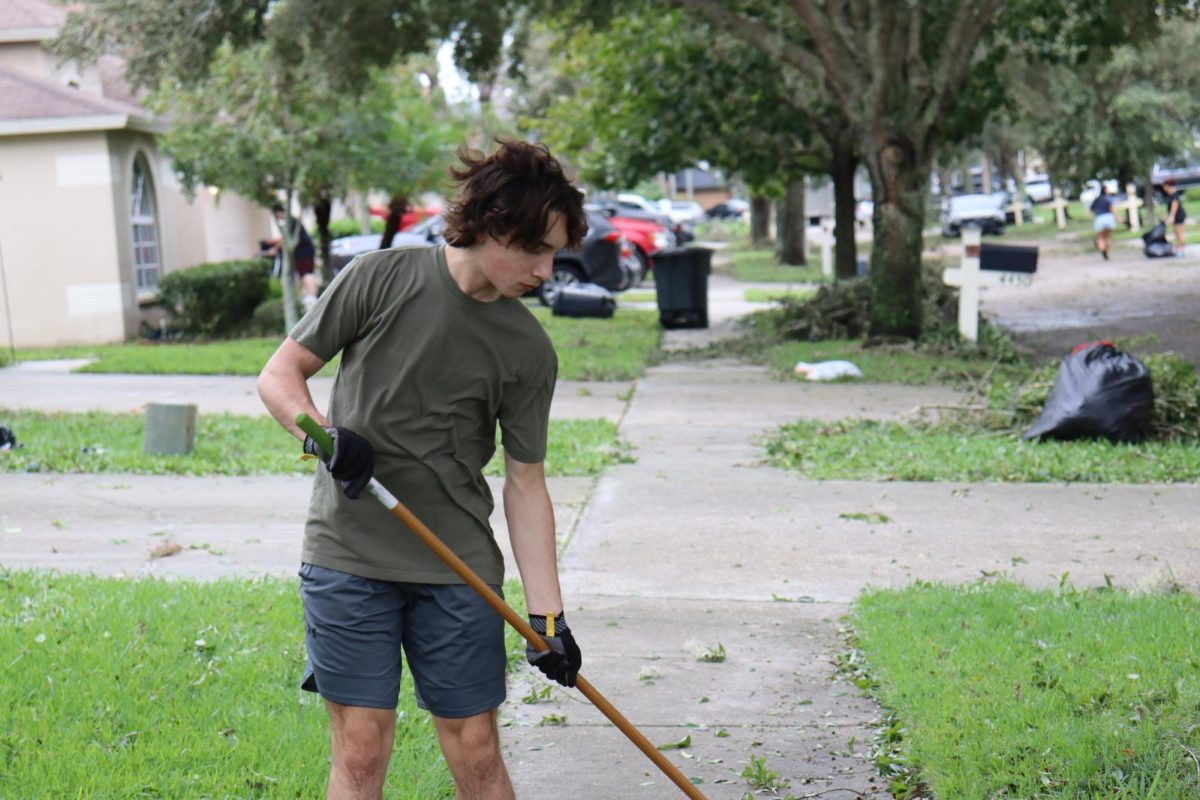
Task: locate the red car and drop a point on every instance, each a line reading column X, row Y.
column 646, row 237
column 411, row 217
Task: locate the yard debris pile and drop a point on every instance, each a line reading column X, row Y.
column 841, row 310
column 1006, row 404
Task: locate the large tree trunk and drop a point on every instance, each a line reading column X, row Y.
column 898, row 186
column 792, row 223
column 1004, row 165
column 845, row 254
column 760, row 220
column 396, row 208
column 323, row 209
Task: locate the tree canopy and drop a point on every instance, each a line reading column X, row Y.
column 339, row 39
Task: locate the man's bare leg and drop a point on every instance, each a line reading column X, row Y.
column 471, row 746
column 361, row 740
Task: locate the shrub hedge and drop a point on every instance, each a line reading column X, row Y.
column 268, row 318
column 214, row 299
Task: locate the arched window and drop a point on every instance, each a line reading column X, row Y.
column 143, row 218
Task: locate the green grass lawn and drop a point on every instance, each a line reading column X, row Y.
column 1006, row 692
column 722, row 230
column 760, row 265
column 615, row 349
column 149, row 688
column 588, row 349
column 638, row 296
column 772, row 295
column 1045, row 225
column 1079, row 225
column 865, row 450
column 232, row 357
column 228, row 444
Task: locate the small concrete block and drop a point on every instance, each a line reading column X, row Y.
column 170, row 429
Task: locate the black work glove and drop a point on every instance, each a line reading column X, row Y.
column 352, row 462
column 562, row 661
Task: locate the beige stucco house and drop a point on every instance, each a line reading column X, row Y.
column 90, row 212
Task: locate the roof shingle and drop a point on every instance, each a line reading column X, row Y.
column 24, row 97
column 30, row 14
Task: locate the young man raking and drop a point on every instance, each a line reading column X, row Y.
column 436, row 349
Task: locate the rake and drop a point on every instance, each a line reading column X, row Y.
column 380, row 493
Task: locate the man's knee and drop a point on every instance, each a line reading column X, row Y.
column 472, row 734
column 360, row 770
column 362, row 742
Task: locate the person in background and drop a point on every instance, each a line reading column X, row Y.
column 1105, row 221
column 303, row 257
column 1176, row 215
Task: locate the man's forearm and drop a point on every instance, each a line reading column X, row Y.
column 283, row 386
column 530, row 517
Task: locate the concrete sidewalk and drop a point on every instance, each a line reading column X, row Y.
column 698, row 544
column 53, row 386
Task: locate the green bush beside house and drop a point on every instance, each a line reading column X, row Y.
column 216, row 299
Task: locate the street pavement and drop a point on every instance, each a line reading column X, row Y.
column 696, row 546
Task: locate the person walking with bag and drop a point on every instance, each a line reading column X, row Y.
column 436, row 349
column 1176, row 214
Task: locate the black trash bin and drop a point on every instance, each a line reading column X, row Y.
column 681, row 283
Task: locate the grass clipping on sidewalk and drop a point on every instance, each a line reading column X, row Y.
column 999, row 691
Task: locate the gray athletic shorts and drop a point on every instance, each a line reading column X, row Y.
column 355, row 628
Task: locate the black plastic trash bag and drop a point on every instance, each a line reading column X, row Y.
column 1155, row 244
column 583, row 300
column 1099, row 391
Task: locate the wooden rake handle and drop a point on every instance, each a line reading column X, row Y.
column 431, row 540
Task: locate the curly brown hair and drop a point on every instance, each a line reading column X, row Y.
column 514, row 192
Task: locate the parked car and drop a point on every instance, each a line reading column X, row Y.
column 611, row 207
column 646, row 236
column 411, row 216
column 635, row 202
column 730, row 209
column 605, row 257
column 682, row 212
column 984, row 211
column 1006, row 201
column 342, row 251
column 864, row 212
column 1039, row 189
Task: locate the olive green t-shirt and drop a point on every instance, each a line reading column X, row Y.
column 426, row 373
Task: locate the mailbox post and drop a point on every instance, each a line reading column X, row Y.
column 986, row 265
